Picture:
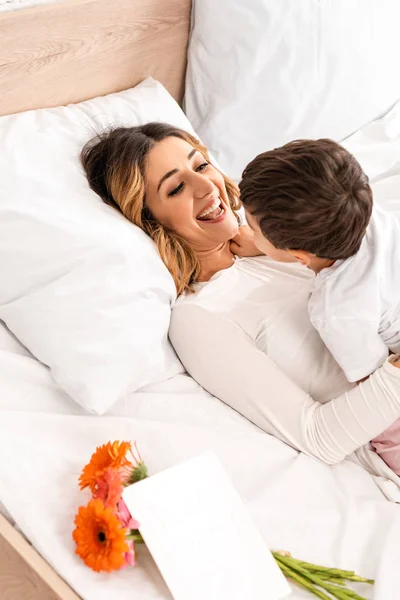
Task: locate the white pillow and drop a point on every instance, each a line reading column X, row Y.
column 81, row 287
column 264, row 72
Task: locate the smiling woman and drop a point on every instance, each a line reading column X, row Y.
column 161, row 178
column 245, row 334
column 191, row 198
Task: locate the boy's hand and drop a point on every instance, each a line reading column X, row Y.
column 395, row 360
column 243, row 244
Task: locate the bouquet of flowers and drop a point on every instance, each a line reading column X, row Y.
column 105, row 532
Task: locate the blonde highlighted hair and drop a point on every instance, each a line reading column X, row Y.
column 114, row 163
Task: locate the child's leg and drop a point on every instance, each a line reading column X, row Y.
column 387, row 445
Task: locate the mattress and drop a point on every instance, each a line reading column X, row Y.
column 334, row 515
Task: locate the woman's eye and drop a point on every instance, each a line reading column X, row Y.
column 180, row 187
column 176, row 190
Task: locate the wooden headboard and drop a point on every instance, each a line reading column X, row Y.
column 69, row 51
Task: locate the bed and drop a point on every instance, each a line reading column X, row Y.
column 55, row 54
column 72, row 51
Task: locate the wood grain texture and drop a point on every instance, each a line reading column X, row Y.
column 23, row 572
column 75, row 50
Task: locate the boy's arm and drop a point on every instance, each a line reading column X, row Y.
column 355, row 344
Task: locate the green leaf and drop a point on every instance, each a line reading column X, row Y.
column 138, row 473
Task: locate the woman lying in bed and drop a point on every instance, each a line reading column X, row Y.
column 244, row 334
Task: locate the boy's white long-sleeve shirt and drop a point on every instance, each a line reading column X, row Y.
column 355, row 304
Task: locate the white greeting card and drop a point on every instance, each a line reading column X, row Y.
column 201, row 536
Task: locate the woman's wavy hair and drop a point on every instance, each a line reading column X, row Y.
column 114, row 162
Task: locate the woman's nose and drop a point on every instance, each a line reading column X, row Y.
column 203, row 186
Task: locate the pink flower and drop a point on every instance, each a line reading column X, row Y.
column 127, row 521
column 125, row 517
column 108, row 488
column 130, row 557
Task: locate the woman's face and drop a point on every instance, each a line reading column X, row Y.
column 187, row 195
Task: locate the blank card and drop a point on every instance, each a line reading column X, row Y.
column 201, row 536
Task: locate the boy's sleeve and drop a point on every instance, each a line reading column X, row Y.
column 355, row 344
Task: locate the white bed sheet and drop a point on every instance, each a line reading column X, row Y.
column 335, row 515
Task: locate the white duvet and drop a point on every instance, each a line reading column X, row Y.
column 334, row 515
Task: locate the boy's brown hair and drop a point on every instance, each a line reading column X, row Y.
column 309, row 195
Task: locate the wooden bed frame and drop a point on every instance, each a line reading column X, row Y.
column 66, row 52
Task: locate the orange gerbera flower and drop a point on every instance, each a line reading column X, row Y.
column 99, row 537
column 112, row 454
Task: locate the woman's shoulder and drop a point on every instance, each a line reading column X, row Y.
column 224, row 289
column 210, row 294
column 232, row 286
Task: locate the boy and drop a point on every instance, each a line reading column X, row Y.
column 309, row 201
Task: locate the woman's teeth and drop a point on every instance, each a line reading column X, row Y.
column 213, row 212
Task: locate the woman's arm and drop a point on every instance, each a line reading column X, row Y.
column 226, row 362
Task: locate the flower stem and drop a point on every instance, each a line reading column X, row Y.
column 136, row 536
column 287, row 571
column 320, row 577
column 320, row 571
column 349, row 575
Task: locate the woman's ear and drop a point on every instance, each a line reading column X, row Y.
column 302, row 256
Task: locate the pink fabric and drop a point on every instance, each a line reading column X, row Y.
column 387, row 445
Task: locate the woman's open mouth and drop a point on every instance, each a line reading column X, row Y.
column 213, row 212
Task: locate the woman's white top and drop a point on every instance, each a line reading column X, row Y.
column 246, row 337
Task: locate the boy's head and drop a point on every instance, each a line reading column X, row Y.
column 308, row 201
